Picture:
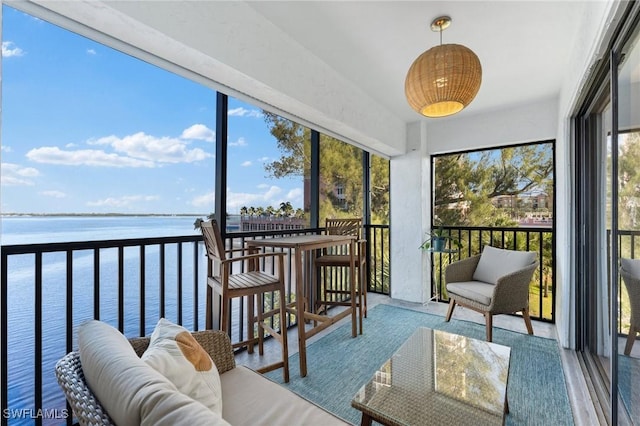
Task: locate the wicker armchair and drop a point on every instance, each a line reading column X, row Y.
column 86, row 407
column 509, row 294
column 632, row 283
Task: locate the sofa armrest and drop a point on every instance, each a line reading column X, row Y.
column 462, row 270
column 215, row 342
column 84, row 404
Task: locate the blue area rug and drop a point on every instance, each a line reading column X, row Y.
column 338, row 365
column 629, row 385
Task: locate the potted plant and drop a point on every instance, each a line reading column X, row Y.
column 437, row 240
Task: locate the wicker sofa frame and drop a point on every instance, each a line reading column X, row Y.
column 86, row 407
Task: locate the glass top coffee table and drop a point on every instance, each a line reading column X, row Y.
column 438, row 378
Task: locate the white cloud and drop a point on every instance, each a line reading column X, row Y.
column 272, row 192
column 71, row 145
column 199, row 132
column 54, row 194
column 263, row 159
column 246, row 164
column 124, row 201
column 205, row 200
column 5, row 148
column 243, row 112
column 137, row 150
column 151, row 148
column 84, row 157
column 91, row 51
column 240, row 142
column 17, row 175
column 9, row 49
column 295, row 194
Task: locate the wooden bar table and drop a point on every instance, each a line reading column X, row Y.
column 301, row 308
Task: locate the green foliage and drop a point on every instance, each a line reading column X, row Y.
column 294, row 144
column 341, row 189
column 465, row 184
column 440, row 233
column 629, row 181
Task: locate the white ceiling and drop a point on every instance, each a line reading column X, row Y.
column 523, row 46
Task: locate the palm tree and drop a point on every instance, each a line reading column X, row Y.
column 270, row 211
column 286, row 208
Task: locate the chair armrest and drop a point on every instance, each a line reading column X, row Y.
column 215, row 342
column 462, row 270
column 254, row 257
column 512, row 291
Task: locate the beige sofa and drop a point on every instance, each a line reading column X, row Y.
column 133, row 393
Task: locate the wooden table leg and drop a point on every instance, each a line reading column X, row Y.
column 302, row 341
column 352, row 282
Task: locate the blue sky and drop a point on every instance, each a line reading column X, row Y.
column 88, row 129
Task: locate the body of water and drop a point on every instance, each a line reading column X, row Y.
column 21, row 290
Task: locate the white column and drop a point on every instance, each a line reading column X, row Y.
column 410, row 211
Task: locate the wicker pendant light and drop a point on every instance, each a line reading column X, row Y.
column 444, row 79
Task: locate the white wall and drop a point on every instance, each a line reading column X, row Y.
column 527, row 123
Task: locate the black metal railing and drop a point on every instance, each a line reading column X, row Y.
column 473, row 238
column 48, row 290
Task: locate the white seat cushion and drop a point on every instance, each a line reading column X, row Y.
column 496, row 263
column 632, row 266
column 130, row 391
column 175, row 354
column 479, row 291
column 250, row 399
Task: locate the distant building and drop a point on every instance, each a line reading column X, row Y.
column 271, row 223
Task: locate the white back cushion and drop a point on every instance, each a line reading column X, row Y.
column 495, row 263
column 632, row 266
column 130, row 391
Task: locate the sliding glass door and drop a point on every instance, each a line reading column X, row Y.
column 627, row 189
column 607, row 181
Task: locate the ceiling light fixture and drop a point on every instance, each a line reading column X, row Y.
column 444, row 79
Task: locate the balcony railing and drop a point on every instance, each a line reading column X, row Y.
column 538, row 239
column 48, row 290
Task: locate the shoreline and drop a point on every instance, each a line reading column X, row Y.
column 5, row 215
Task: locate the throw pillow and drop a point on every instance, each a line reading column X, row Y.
column 632, row 266
column 179, row 357
column 495, row 263
column 131, row 392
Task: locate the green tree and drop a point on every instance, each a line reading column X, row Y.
column 466, row 184
column 340, row 170
column 629, row 181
